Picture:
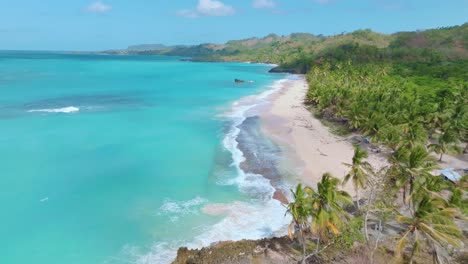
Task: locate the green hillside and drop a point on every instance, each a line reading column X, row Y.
column 276, row 49
column 298, row 52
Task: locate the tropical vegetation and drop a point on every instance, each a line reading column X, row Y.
column 318, row 213
column 359, row 171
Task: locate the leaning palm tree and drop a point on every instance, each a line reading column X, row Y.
column 432, row 224
column 327, row 207
column 359, row 171
column 299, row 209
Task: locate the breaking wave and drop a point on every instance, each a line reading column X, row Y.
column 67, row 110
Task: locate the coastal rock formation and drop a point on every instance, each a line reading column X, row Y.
column 281, row 69
column 265, row 251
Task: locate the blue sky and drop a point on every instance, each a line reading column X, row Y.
column 109, row 24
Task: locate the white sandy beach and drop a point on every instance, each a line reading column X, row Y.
column 314, row 150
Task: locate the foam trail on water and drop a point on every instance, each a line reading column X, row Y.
column 67, row 110
column 174, row 209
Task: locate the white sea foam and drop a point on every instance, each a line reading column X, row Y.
column 175, row 209
column 68, row 110
column 238, row 114
column 262, row 217
column 243, row 221
column 159, row 253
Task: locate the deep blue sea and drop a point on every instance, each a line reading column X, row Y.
column 122, row 159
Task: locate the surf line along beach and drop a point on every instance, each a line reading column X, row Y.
column 309, row 148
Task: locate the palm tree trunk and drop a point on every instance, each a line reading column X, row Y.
column 411, row 185
column 303, row 246
column 411, row 192
column 365, row 226
column 412, row 254
column 357, row 199
column 370, row 201
column 318, row 243
column 376, row 243
column 441, row 154
column 404, row 195
column 435, row 255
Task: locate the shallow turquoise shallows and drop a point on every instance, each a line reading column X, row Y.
column 122, row 159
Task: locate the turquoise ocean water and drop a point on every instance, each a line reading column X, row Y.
column 122, row 159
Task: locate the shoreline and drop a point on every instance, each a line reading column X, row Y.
column 309, row 148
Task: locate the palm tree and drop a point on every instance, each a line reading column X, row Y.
column 456, row 198
column 391, row 136
column 432, row 224
column 359, row 171
column 354, row 116
column 299, row 209
column 327, row 207
column 414, row 133
column 446, row 143
column 411, row 167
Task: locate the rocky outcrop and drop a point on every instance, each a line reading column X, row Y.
column 265, row 251
column 281, row 69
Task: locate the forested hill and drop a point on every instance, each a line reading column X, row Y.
column 277, row 49
column 299, row 51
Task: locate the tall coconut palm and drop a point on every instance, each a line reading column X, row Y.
column 412, row 166
column 299, row 209
column 432, row 224
column 327, row 207
column 359, row 170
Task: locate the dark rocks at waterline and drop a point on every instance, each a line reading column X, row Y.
column 281, row 69
column 261, row 155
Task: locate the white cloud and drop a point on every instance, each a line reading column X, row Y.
column 208, row 8
column 98, row 7
column 263, row 4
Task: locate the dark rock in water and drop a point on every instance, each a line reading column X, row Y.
column 238, row 81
